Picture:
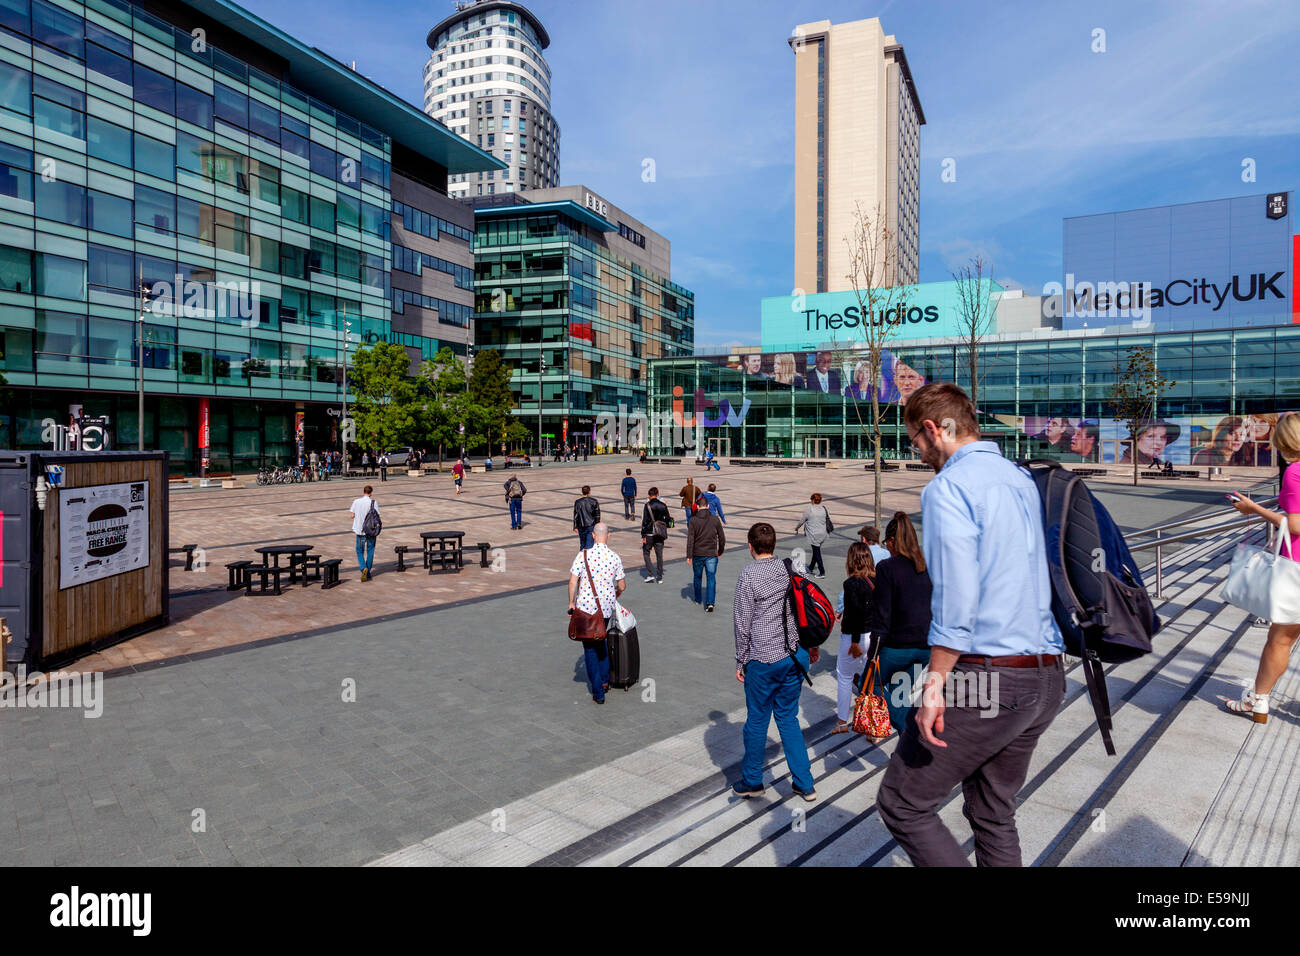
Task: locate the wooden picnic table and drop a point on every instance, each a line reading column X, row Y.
column 449, row 549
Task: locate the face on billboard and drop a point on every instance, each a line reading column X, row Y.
column 753, row 363
column 907, row 380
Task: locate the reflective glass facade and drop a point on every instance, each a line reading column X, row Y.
column 546, row 288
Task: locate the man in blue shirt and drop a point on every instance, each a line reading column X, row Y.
column 715, row 503
column 995, row 679
column 629, row 495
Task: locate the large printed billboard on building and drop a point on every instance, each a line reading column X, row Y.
column 792, row 323
column 840, row 372
column 1227, row 263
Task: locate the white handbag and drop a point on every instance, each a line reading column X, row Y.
column 1264, row 582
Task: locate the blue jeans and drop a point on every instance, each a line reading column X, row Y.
column 585, row 539
column 516, row 512
column 365, row 552
column 595, row 654
column 899, row 660
column 774, row 689
column 709, row 568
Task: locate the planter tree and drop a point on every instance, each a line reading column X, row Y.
column 383, row 395
column 873, row 261
column 1134, row 394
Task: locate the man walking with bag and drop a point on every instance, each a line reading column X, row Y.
column 595, row 582
column 654, row 531
column 515, row 492
column 991, row 622
column 586, row 515
column 366, row 526
column 770, row 663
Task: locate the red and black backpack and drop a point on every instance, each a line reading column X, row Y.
column 814, row 614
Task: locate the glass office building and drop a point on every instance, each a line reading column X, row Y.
column 1208, row 287
column 224, row 165
column 571, row 281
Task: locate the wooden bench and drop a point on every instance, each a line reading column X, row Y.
column 918, row 466
column 188, row 551
column 236, row 571
column 330, row 568
column 814, row 464
column 483, row 547
column 258, row 571
column 1089, row 472
column 304, row 564
column 400, row 551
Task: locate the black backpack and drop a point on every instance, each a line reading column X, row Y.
column 1098, row 598
column 370, row 524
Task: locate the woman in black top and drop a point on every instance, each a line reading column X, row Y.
column 900, row 617
column 854, row 634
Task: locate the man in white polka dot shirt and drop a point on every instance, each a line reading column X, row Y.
column 607, row 572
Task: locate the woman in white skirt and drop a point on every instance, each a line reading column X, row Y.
column 1282, row 635
column 854, row 640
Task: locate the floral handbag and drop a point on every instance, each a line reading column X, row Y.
column 870, row 713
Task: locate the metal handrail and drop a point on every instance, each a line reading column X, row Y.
column 1160, row 540
column 1186, row 521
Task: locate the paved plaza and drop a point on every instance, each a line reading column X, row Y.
column 437, row 719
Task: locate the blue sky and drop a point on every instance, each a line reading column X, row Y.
column 1039, row 125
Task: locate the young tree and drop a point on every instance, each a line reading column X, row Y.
column 873, row 260
column 445, row 400
column 384, row 396
column 489, row 390
column 977, row 306
column 1134, row 395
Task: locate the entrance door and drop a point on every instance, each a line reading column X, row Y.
column 816, row 447
column 721, row 447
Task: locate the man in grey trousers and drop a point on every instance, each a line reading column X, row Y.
column 995, row 678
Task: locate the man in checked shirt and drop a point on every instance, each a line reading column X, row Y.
column 767, row 648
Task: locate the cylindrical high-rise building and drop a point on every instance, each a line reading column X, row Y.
column 488, row 82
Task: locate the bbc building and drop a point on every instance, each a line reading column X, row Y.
column 281, row 209
column 1208, row 287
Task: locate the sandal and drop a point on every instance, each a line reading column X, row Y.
column 1256, row 705
column 842, row 727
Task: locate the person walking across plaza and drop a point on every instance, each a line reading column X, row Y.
column 629, row 495
column 383, row 467
column 816, row 525
column 515, row 492
column 705, row 542
column 855, row 636
column 586, row 515
column 900, row 617
column 458, row 474
column 869, row 535
column 770, row 663
column 361, row 507
column 601, row 566
column 689, row 494
column 715, row 503
column 655, row 511
column 710, row 461
column 1282, row 635
column 992, row 624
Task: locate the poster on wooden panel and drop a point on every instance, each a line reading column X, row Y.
column 103, row 531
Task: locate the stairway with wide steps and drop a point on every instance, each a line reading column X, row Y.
column 1078, row 805
column 1185, row 773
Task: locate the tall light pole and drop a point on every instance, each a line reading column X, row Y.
column 139, row 354
column 541, row 369
column 343, row 422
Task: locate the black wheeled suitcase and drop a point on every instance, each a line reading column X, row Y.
column 624, row 658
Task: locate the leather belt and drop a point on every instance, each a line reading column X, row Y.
column 1016, row 660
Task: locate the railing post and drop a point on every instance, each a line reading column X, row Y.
column 1160, row 570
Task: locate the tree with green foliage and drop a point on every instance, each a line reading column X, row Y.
column 445, row 400
column 1134, row 396
column 489, row 389
column 384, row 396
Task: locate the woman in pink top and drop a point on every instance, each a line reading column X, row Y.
column 1281, row 635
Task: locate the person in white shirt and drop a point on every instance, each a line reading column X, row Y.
column 606, row 571
column 365, row 543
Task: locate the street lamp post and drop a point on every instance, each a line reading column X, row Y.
column 143, row 292
column 343, row 421
column 541, row 368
